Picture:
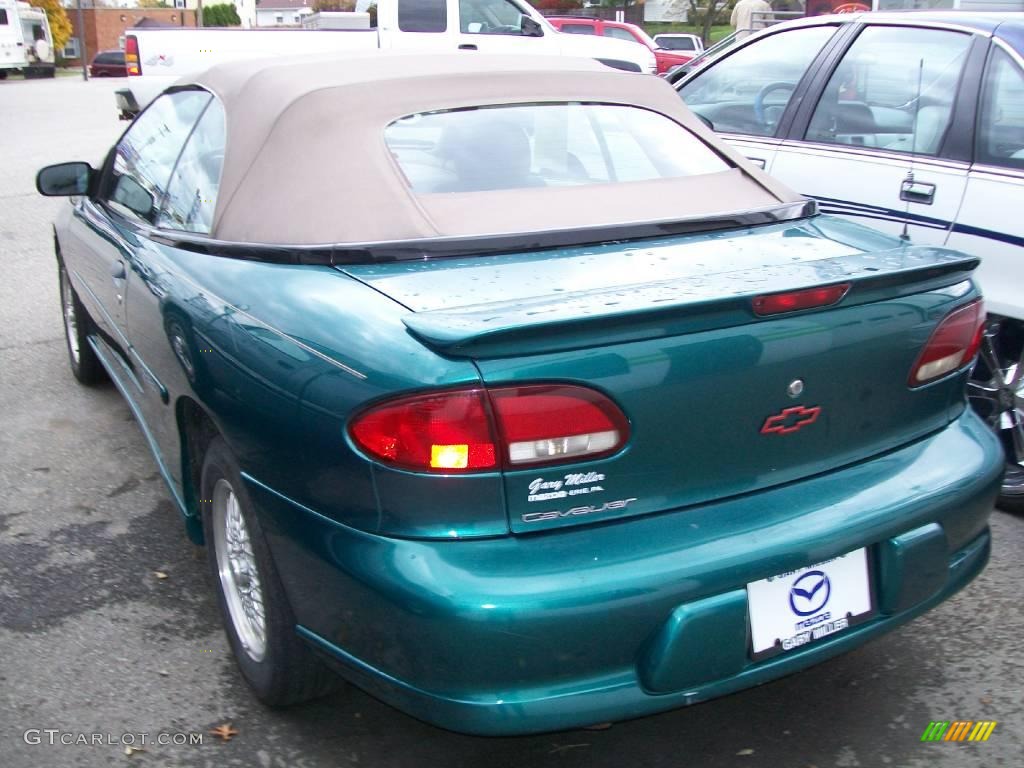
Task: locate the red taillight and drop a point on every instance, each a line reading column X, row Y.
column 543, row 423
column 792, row 301
column 445, row 431
column 131, row 55
column 469, row 430
column 952, row 345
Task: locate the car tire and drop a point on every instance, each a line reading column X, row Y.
column 85, row 365
column 260, row 626
column 996, row 391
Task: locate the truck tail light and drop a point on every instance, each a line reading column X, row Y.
column 131, row 56
column 478, row 429
column 952, row 345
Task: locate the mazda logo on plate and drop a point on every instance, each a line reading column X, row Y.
column 809, row 593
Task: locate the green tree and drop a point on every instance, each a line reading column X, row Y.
column 60, row 26
column 154, row 4
column 221, row 15
column 704, row 16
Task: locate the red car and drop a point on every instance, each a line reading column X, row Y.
column 109, row 64
column 586, row 26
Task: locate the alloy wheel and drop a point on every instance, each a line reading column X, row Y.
column 997, row 394
column 239, row 575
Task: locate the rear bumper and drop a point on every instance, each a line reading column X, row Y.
column 552, row 631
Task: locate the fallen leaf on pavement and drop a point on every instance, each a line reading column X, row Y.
column 160, row 574
column 225, row 731
column 132, row 750
column 745, row 752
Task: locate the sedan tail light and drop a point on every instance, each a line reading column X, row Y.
column 953, row 344
column 131, row 55
column 477, row 429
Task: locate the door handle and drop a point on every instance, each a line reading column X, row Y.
column 467, row 47
column 917, row 192
column 117, row 270
column 758, row 161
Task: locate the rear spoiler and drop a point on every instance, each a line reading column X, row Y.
column 651, row 310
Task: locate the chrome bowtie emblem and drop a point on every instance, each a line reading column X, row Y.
column 795, row 388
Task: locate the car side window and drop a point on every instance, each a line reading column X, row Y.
column 578, row 29
column 192, row 192
column 1000, row 136
column 146, row 154
column 490, row 17
column 423, row 15
column 893, row 89
column 621, row 34
column 747, row 91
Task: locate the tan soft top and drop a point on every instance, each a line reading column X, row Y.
column 306, row 162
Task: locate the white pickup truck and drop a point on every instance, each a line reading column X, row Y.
column 157, row 57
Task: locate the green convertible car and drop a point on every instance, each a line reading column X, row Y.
column 513, row 394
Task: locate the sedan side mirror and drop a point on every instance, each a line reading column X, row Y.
column 64, row 179
column 530, row 27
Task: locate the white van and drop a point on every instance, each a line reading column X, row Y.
column 25, row 40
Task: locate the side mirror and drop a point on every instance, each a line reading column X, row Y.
column 64, row 179
column 530, row 27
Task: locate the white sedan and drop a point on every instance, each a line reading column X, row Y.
column 913, row 124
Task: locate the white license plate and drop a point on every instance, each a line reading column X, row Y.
column 808, row 604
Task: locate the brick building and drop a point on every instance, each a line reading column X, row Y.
column 105, row 27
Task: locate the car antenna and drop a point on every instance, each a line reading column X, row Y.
column 909, row 180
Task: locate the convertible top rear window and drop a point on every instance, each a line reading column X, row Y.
column 544, row 145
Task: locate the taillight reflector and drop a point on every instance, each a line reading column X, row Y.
column 131, row 55
column 479, row 429
column 793, row 301
column 952, row 345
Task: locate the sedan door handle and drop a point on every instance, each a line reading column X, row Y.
column 917, row 192
column 117, row 270
column 758, row 161
column 467, row 47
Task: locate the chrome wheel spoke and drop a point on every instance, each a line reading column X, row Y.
column 982, row 390
column 991, row 359
column 239, row 573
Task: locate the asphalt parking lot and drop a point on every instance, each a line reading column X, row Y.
column 109, row 629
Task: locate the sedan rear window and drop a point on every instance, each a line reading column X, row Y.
column 538, row 145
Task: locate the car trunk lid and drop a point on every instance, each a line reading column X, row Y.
column 720, row 401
